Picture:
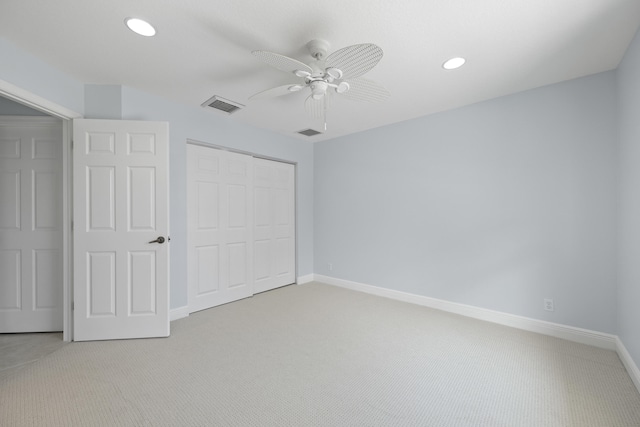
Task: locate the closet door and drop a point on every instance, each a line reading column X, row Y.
column 30, row 224
column 274, row 224
column 220, row 226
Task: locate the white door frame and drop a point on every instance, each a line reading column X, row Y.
column 36, row 102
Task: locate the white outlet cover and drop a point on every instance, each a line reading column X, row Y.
column 548, row 304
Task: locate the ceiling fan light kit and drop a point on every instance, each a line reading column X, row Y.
column 343, row 87
column 339, row 71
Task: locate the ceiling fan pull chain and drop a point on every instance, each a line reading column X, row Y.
column 324, row 104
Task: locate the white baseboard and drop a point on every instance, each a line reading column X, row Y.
column 178, row 313
column 628, row 363
column 305, row 279
column 583, row 336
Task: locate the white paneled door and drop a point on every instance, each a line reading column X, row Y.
column 121, row 224
column 274, row 224
column 241, row 225
column 31, row 238
column 220, row 218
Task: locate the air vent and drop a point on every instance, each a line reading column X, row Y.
column 309, row 132
column 221, row 104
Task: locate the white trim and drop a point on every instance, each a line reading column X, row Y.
column 583, row 336
column 235, row 150
column 36, row 102
column 628, row 363
column 179, row 313
column 67, row 232
column 305, row 279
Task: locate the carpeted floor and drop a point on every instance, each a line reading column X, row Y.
column 17, row 351
column 317, row 355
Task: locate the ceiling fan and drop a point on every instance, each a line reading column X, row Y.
column 337, row 73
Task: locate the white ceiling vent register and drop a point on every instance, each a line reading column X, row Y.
column 221, row 104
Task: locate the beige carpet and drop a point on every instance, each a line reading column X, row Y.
column 316, row 355
column 17, row 351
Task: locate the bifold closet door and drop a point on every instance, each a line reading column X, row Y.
column 274, row 224
column 220, row 226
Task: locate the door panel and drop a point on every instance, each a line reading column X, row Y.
column 10, row 283
column 219, row 188
column 274, row 228
column 44, row 262
column 208, row 270
column 121, row 284
column 101, row 206
column 142, row 268
column 10, row 200
column 142, row 204
column 45, row 200
column 30, row 224
column 101, row 283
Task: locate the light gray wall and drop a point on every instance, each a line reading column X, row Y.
column 27, row 72
column 103, row 102
column 11, row 108
column 629, row 231
column 497, row 205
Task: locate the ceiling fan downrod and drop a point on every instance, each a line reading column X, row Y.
column 318, row 48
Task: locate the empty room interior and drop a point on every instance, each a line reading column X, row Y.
column 320, row 213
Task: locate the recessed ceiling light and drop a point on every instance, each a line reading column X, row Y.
column 141, row 27
column 454, row 63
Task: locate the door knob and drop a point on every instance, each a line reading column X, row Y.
column 158, row 240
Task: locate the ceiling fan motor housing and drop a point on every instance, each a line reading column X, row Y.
column 318, row 48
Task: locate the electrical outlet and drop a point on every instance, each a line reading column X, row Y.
column 330, row 266
column 548, row 304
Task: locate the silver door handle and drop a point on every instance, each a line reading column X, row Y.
column 158, row 240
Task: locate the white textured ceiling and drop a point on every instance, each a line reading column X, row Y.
column 203, row 48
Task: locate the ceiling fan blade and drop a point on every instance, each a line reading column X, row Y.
column 282, row 62
column 355, row 60
column 366, row 90
column 277, row 91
